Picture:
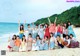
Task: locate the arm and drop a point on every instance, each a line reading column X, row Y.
column 24, row 24
column 68, row 43
column 56, row 42
column 19, row 25
column 55, row 20
column 9, row 39
column 49, row 21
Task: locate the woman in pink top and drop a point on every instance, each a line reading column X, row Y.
column 52, row 28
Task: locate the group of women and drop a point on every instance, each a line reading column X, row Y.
column 44, row 37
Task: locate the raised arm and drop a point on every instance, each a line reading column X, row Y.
column 24, row 24
column 19, row 25
column 49, row 21
column 55, row 20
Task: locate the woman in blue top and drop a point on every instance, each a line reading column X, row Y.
column 52, row 42
column 46, row 43
column 70, row 29
column 38, row 41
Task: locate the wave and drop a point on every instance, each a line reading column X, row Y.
column 4, row 38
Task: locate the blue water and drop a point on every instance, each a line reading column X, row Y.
column 7, row 30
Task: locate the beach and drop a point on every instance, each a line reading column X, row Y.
column 55, row 52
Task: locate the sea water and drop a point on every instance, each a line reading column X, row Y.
column 8, row 30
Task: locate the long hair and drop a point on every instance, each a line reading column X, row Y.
column 68, row 24
column 38, row 36
column 47, row 25
column 15, row 37
column 22, row 27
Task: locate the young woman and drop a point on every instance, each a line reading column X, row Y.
column 72, row 38
column 23, row 44
column 29, row 42
column 11, row 43
column 67, row 41
column 17, row 44
column 38, row 40
column 65, row 31
column 41, row 32
column 35, row 32
column 73, row 42
column 60, row 41
column 70, row 29
column 35, row 47
column 52, row 42
column 59, row 29
column 29, row 29
column 46, row 43
column 47, row 31
column 52, row 27
column 21, row 33
column 14, row 36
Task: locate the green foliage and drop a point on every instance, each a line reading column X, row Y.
column 72, row 15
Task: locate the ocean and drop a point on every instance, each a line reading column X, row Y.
column 8, row 30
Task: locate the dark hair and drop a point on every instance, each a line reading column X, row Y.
column 23, row 35
column 65, row 26
column 68, row 36
column 58, row 36
column 22, row 27
column 30, row 34
column 42, row 25
column 36, row 24
column 38, row 36
column 14, row 36
column 22, row 39
column 47, row 37
column 71, row 35
column 28, row 25
column 68, row 24
column 52, row 34
column 47, row 25
column 17, row 35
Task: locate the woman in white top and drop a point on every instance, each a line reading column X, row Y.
column 41, row 32
column 35, row 32
column 67, row 41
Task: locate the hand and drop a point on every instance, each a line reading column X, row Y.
column 56, row 18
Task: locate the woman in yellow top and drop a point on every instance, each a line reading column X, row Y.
column 21, row 33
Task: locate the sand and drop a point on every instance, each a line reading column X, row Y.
column 56, row 52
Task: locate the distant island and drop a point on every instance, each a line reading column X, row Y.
column 72, row 15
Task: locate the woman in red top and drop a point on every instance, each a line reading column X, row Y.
column 47, row 34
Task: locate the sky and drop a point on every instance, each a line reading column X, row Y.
column 31, row 10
